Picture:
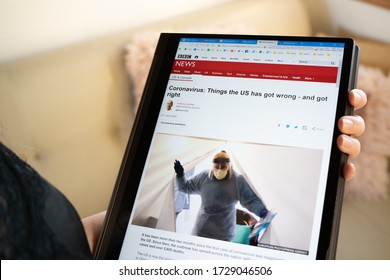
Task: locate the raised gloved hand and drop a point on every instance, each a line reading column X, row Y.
column 178, row 168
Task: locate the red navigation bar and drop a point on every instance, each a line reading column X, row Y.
column 308, row 73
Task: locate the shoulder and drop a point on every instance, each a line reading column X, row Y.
column 202, row 175
column 198, row 177
column 239, row 178
column 237, row 175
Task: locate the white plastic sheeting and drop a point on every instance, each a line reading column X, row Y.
column 286, row 178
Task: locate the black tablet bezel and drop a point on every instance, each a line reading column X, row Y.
column 126, row 187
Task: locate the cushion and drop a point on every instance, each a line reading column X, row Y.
column 371, row 181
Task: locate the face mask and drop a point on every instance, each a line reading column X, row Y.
column 220, row 173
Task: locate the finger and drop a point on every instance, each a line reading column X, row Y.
column 357, row 98
column 348, row 145
column 349, row 171
column 93, row 226
column 353, row 125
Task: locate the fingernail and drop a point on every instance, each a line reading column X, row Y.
column 348, row 124
column 357, row 96
column 347, row 142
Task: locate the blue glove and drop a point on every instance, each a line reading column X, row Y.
column 263, row 213
column 178, row 168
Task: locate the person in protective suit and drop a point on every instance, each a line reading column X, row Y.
column 220, row 190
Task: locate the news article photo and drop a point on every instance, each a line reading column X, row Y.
column 284, row 179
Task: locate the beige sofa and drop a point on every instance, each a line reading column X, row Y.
column 68, row 111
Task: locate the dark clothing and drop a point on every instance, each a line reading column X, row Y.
column 36, row 220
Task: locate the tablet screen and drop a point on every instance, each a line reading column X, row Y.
column 239, row 161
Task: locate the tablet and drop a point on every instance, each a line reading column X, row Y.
column 233, row 151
